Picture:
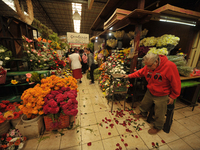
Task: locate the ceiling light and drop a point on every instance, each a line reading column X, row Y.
column 95, row 40
column 111, row 28
column 76, row 15
column 177, row 20
column 97, row 37
column 110, row 34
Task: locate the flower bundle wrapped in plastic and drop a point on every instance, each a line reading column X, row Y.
column 12, row 140
column 111, row 42
column 167, row 39
column 149, row 41
column 119, row 34
column 161, row 51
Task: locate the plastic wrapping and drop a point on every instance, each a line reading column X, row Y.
column 185, row 70
column 175, row 58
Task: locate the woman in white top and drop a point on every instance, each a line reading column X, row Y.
column 75, row 64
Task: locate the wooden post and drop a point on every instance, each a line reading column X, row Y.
column 138, row 29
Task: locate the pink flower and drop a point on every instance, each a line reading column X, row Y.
column 39, row 61
column 28, row 75
column 31, row 60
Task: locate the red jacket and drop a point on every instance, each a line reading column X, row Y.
column 164, row 80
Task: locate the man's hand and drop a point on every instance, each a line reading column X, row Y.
column 89, row 68
column 171, row 101
column 125, row 76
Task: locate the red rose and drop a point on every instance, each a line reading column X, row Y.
column 2, row 105
column 89, row 144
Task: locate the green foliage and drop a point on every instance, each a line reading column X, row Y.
column 54, row 37
column 36, row 77
column 91, row 46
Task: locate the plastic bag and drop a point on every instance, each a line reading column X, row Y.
column 185, row 70
column 175, row 58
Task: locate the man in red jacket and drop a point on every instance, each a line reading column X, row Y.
column 164, row 85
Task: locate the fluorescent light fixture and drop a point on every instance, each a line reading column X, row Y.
column 177, row 20
column 110, row 34
column 97, row 37
column 76, row 12
column 95, row 40
column 12, row 5
column 111, row 28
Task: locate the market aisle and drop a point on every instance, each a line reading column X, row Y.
column 102, row 130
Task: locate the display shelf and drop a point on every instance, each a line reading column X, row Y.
column 178, row 12
column 17, row 73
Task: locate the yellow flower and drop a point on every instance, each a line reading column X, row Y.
column 14, row 81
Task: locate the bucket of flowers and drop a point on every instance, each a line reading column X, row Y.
column 12, row 140
column 8, row 111
column 60, row 103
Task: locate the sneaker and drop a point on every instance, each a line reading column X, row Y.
column 153, row 131
column 137, row 116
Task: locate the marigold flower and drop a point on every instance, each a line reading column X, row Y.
column 14, row 81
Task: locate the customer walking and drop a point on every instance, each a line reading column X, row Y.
column 164, row 85
column 75, row 65
column 91, row 65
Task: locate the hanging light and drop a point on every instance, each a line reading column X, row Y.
column 76, row 15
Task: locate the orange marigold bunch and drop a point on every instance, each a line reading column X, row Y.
column 33, row 100
column 55, row 83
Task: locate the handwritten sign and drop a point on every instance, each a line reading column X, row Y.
column 78, row 38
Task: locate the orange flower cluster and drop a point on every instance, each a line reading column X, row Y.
column 55, row 83
column 33, row 98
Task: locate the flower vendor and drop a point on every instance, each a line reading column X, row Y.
column 75, row 64
column 164, row 86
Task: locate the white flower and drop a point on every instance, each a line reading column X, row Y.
column 14, row 139
column 7, row 58
column 21, row 145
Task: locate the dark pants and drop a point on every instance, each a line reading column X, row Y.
column 84, row 67
column 92, row 72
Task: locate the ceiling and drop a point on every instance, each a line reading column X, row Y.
column 57, row 14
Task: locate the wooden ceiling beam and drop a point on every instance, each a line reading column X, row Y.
column 44, row 13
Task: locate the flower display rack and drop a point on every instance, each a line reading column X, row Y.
column 11, row 33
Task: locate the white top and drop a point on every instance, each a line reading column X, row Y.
column 75, row 62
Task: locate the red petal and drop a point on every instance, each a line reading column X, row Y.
column 153, row 144
column 122, row 140
column 126, row 144
column 117, row 144
column 136, row 136
column 106, row 127
column 162, row 141
column 89, row 144
column 109, row 133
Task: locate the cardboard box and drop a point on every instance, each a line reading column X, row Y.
column 31, row 130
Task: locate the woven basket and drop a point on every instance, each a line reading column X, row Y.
column 62, row 122
column 3, row 78
column 4, row 127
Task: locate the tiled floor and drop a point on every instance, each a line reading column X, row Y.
column 105, row 131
